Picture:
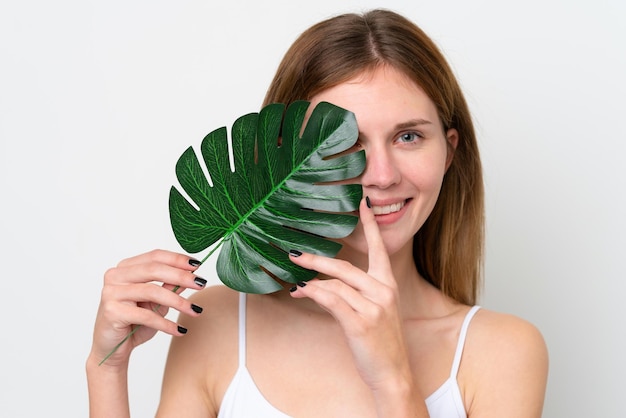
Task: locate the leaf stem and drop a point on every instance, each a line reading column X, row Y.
column 219, row 244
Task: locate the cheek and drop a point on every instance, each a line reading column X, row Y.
column 425, row 174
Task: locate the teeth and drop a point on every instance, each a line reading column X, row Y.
column 384, row 210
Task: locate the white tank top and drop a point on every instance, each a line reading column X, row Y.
column 244, row 400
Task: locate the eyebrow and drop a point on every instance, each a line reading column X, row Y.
column 413, row 122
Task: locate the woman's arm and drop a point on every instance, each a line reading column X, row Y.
column 108, row 390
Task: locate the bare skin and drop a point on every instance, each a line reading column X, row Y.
column 369, row 337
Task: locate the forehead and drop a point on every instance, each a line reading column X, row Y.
column 383, row 95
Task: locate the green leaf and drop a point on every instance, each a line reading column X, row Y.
column 276, row 199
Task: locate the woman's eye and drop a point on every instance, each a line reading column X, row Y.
column 409, row 137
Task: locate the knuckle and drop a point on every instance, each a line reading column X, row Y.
column 340, row 267
column 109, row 311
column 110, row 275
column 344, row 264
column 184, row 276
column 153, row 292
column 388, row 297
column 181, row 304
column 332, row 301
column 123, row 262
column 155, row 254
column 106, row 293
column 377, row 313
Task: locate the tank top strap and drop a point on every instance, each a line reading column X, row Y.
column 242, row 329
column 461, row 343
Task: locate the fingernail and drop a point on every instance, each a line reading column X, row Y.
column 295, row 253
column 199, row 281
column 367, row 202
column 194, row 263
column 293, row 289
column 182, row 330
column 301, row 284
column 196, row 308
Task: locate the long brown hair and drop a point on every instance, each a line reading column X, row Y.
column 448, row 249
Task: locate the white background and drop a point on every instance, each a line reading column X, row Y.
column 98, row 100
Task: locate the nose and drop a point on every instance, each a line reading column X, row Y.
column 380, row 169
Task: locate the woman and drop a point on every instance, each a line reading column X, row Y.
column 389, row 327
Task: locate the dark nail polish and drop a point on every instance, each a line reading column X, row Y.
column 182, row 330
column 293, row 289
column 194, row 263
column 295, row 253
column 199, row 281
column 196, row 308
column 367, row 202
column 301, row 284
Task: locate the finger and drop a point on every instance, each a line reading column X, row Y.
column 147, row 294
column 379, row 263
column 134, row 316
column 336, row 297
column 170, row 258
column 154, row 271
column 335, row 268
column 174, row 288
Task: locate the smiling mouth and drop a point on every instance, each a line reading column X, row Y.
column 387, row 209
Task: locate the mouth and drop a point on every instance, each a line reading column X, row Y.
column 390, row 208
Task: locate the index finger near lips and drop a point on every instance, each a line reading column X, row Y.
column 378, row 259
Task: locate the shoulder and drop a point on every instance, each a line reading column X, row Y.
column 201, row 363
column 218, row 319
column 505, row 331
column 214, row 332
column 505, row 363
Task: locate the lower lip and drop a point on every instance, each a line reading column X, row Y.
column 393, row 216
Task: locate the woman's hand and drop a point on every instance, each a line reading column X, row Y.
column 139, row 292
column 365, row 304
column 136, row 296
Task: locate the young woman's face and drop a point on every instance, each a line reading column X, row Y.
column 406, row 149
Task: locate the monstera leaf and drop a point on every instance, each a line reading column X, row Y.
column 276, row 199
